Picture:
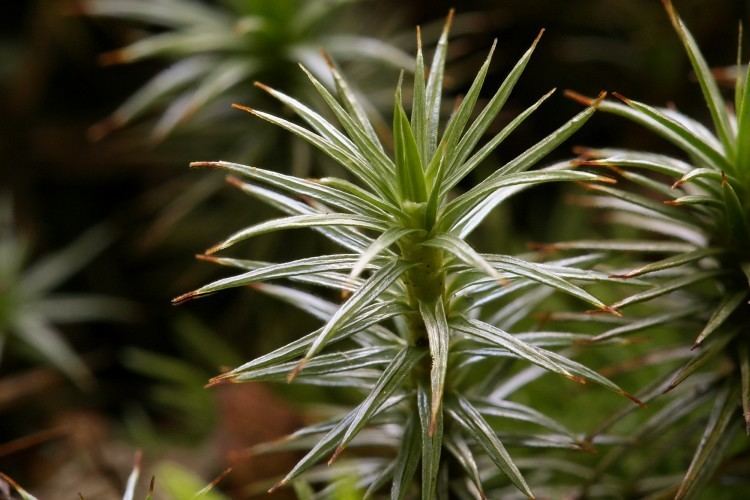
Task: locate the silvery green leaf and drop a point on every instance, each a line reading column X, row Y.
column 432, row 444
column 716, row 439
column 390, row 381
column 299, row 221
column 368, row 293
column 465, row 415
column 438, row 335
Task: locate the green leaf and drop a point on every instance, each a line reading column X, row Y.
column 371, row 149
column 708, row 351
column 324, row 446
column 324, row 364
column 390, row 381
column 370, row 291
column 45, row 339
column 296, row 222
column 353, row 163
column 669, row 129
column 319, row 191
column 728, row 304
column 673, row 261
column 419, row 105
column 538, row 273
column 478, row 195
column 517, row 411
column 409, row 170
column 667, row 287
column 487, row 115
column 459, row 171
column 434, row 90
column 495, row 336
column 351, row 103
column 388, row 238
column 465, row 415
column 463, row 252
column 295, row 268
column 222, row 77
column 743, row 125
column 157, row 13
column 620, row 245
column 366, row 318
column 716, row 439
column 432, row 444
column 711, row 92
column 459, row 120
column 459, row 448
column 407, row 459
column 348, row 238
column 438, row 335
column 535, row 153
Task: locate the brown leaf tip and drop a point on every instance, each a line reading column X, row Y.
column 339, row 450
column 621, row 97
column 263, row 87
column 181, row 299
column 579, row 98
column 296, row 371
column 634, row 399
column 242, row 107
column 538, row 37
column 224, row 378
column 205, row 164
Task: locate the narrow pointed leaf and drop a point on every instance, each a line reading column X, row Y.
column 438, row 335
column 407, row 459
column 368, row 293
column 390, row 381
column 432, row 444
column 729, row 304
column 299, row 221
column 715, row 440
column 465, row 415
column 711, row 92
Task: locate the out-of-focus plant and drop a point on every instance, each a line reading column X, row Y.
column 414, row 331
column 216, row 50
column 30, row 309
column 699, row 275
column 219, row 49
column 178, row 382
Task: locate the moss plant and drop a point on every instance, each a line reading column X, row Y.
column 218, row 48
column 30, row 309
column 411, row 334
column 699, row 220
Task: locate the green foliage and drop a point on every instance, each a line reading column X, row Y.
column 414, row 333
column 219, row 48
column 695, row 260
column 30, row 309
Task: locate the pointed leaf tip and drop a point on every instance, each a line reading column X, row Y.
column 204, row 164
column 579, row 98
column 296, row 371
column 242, row 107
column 234, row 181
column 224, row 378
column 339, row 450
column 265, row 87
column 276, row 486
column 538, row 37
column 181, row 299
